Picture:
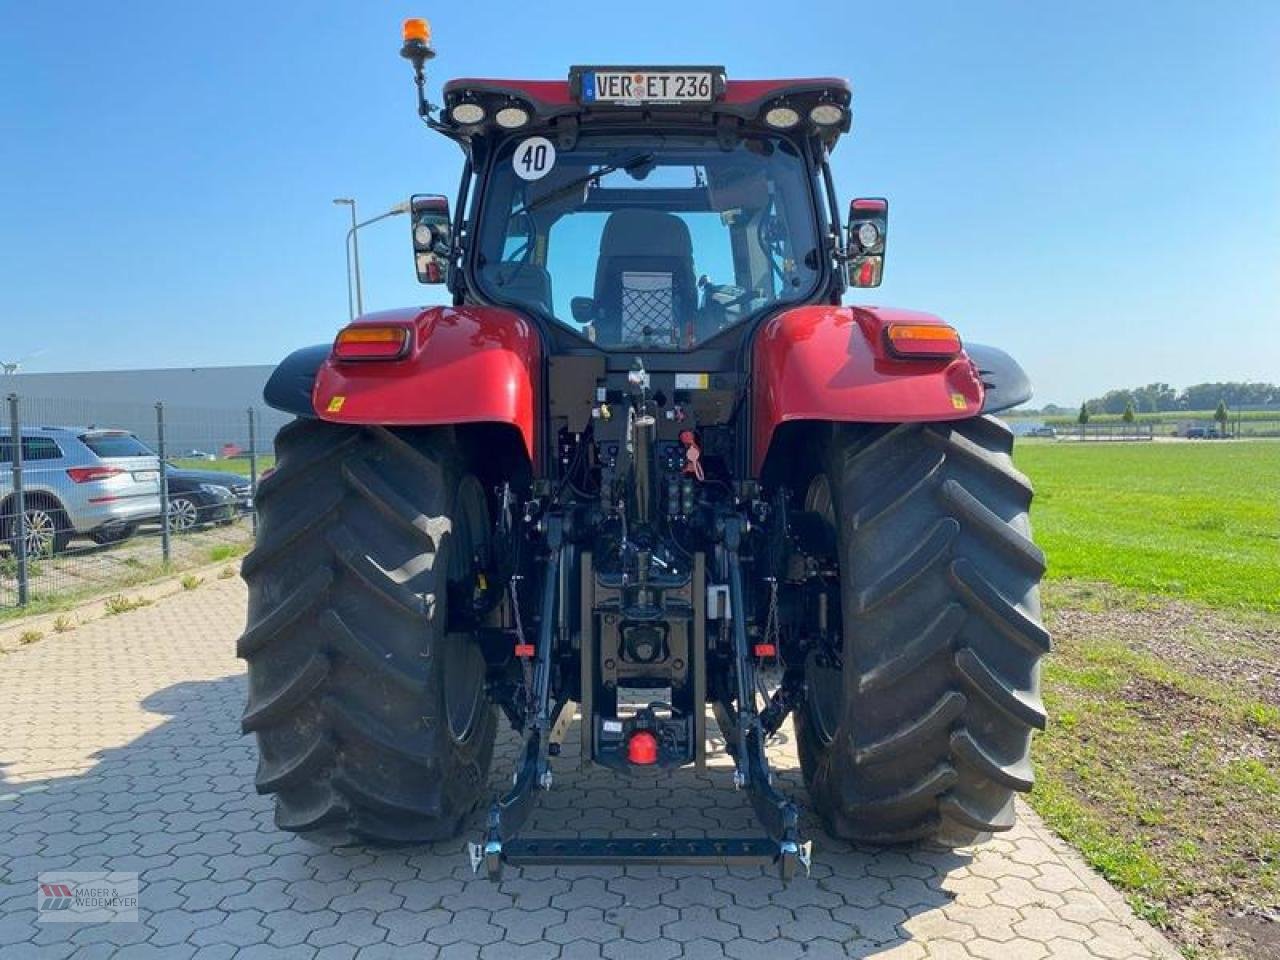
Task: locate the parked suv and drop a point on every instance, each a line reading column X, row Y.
column 78, row 482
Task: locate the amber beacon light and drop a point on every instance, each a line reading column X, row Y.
column 416, row 29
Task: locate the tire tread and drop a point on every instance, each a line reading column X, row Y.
column 942, row 636
column 343, row 623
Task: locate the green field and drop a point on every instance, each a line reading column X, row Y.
column 1199, row 521
column 1161, row 762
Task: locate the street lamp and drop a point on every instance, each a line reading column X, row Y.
column 356, row 307
column 353, row 247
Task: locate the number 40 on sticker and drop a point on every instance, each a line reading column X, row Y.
column 533, row 158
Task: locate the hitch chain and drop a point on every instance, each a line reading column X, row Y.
column 772, row 626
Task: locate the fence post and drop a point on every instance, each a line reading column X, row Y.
column 253, row 469
column 164, row 484
column 19, row 522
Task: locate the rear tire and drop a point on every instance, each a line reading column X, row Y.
column 371, row 718
column 46, row 526
column 920, row 727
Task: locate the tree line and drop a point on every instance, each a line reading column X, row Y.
column 1160, row 397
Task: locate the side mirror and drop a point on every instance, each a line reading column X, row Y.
column 431, row 247
column 583, row 309
column 868, row 227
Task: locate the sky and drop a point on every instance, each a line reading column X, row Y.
column 1093, row 186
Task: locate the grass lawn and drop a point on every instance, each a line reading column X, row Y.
column 1161, row 762
column 69, row 579
column 265, row 461
column 1200, row 521
column 1162, row 759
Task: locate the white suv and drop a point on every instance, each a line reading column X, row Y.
column 78, row 481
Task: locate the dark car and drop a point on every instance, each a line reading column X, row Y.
column 198, row 497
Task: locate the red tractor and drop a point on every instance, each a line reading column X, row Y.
column 644, row 460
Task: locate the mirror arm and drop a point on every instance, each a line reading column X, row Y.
column 829, row 182
column 840, row 255
column 456, row 282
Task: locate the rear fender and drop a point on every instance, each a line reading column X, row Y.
column 465, row 365
column 830, row 363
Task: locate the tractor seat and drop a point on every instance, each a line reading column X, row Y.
column 645, row 289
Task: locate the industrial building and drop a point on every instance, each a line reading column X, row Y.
column 205, row 408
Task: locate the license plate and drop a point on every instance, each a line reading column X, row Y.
column 632, row 87
column 144, row 475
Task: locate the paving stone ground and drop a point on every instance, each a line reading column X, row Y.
column 120, row 749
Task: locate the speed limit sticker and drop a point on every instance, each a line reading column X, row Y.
column 534, row 158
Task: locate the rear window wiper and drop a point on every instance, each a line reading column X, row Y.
column 638, row 160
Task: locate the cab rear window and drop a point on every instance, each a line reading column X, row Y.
column 107, row 445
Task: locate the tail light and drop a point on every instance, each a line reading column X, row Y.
column 922, row 341
column 642, row 748
column 368, row 342
column 90, row 474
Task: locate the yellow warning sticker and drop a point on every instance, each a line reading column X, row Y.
column 335, row 405
column 959, row 402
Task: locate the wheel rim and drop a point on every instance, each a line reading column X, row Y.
column 39, row 530
column 824, row 681
column 464, row 670
column 463, row 664
column 182, row 514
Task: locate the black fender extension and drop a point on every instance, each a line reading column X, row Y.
column 289, row 386
column 1006, row 383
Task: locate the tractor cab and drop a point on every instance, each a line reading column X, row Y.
column 647, row 209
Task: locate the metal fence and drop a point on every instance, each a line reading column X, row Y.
column 97, row 497
column 1108, row 431
column 1248, row 427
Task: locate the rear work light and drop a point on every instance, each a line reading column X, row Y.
column 371, row 343
column 512, row 117
column 467, row 113
column 781, row 117
column 922, row 341
column 90, row 474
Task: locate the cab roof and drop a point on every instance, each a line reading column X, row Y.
column 746, row 101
